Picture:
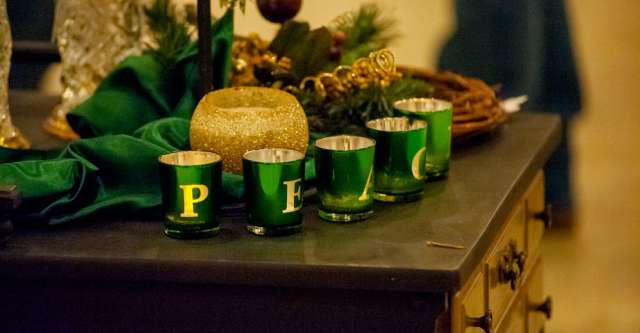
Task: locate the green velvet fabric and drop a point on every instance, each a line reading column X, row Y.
column 139, row 112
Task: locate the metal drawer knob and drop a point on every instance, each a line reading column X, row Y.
column 545, row 216
column 484, row 322
column 511, row 266
column 545, row 307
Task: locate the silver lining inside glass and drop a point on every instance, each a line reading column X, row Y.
column 273, row 155
column 189, row 158
column 345, row 142
column 396, row 124
column 422, row 105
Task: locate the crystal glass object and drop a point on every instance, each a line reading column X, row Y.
column 92, row 36
column 9, row 135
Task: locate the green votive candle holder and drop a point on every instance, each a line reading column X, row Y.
column 273, row 191
column 344, row 172
column 400, row 158
column 439, row 115
column 191, row 187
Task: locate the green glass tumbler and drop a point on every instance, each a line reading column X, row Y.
column 191, row 188
column 344, row 171
column 439, row 115
column 400, row 158
column 273, row 191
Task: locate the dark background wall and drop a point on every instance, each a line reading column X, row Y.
column 31, row 21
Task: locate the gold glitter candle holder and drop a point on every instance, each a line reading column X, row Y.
column 233, row 121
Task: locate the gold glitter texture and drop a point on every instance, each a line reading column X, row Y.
column 232, row 121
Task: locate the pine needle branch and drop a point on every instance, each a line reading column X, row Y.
column 367, row 30
column 171, row 35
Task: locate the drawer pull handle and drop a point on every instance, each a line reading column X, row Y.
column 484, row 322
column 545, row 307
column 545, row 216
column 511, row 266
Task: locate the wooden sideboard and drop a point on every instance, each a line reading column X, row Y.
column 505, row 293
column 380, row 275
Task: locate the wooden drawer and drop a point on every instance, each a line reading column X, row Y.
column 535, row 209
column 470, row 304
column 508, row 285
column 506, row 264
column 515, row 321
column 537, row 304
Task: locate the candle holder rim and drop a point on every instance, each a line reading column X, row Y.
column 368, row 143
column 296, row 156
column 221, row 99
column 194, row 158
column 418, row 123
column 404, row 105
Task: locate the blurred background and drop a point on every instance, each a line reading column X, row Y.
column 593, row 257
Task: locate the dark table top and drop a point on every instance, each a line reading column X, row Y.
column 386, row 252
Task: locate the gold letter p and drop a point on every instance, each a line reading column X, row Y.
column 190, row 201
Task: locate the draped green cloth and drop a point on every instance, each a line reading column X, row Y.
column 139, row 112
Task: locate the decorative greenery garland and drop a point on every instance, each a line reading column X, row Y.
column 306, row 52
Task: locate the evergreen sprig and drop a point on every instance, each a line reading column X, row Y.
column 350, row 113
column 170, row 34
column 366, row 30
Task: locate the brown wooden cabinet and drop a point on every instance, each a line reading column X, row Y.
column 506, row 292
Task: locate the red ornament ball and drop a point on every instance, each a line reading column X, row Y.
column 279, row 11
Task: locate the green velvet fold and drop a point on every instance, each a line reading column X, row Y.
column 141, row 89
column 140, row 111
column 111, row 173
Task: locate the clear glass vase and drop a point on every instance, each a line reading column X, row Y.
column 10, row 136
column 92, row 36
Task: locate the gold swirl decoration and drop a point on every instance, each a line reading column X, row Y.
column 378, row 69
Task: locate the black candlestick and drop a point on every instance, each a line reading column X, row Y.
column 204, row 47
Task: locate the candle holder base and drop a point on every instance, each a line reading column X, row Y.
column 344, row 217
column 180, row 234
column 432, row 176
column 57, row 125
column 406, row 197
column 15, row 141
column 274, row 231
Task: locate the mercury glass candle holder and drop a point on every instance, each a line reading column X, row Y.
column 191, row 193
column 400, row 158
column 273, row 191
column 344, row 171
column 439, row 116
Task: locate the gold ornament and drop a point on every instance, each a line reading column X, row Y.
column 232, row 121
column 249, row 52
column 92, row 36
column 10, row 136
column 377, row 69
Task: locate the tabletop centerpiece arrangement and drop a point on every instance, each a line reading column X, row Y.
column 318, row 92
